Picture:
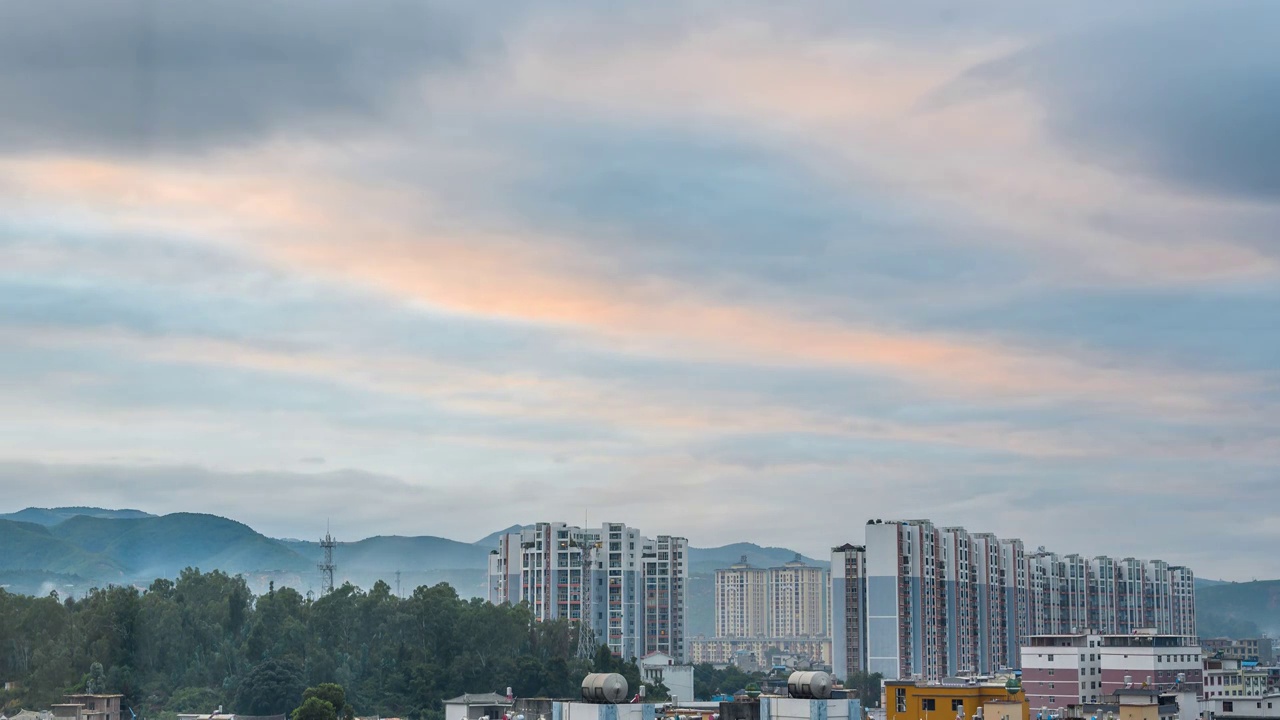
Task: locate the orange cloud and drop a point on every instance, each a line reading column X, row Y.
column 403, row 246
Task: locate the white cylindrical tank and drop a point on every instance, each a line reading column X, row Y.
column 604, row 688
column 809, row 685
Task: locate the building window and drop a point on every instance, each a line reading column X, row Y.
column 1050, row 658
column 928, row 704
column 1050, row 671
column 959, row 704
column 901, row 695
column 1228, row 706
column 1053, row 699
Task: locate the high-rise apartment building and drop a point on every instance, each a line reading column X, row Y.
column 781, row 602
column 665, row 572
column 848, row 610
column 797, row 600
column 906, row 600
column 939, row 602
column 742, row 601
column 635, row 587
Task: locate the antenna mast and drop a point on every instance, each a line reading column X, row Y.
column 327, row 567
column 586, row 635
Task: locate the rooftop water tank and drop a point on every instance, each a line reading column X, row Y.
column 604, row 688
column 809, row 685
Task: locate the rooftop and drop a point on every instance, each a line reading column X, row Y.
column 479, row 699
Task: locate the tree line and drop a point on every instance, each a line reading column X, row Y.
column 205, row 641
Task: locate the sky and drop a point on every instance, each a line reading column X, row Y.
column 734, row 271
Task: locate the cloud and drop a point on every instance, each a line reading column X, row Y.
column 679, row 264
column 511, row 277
column 859, row 110
column 1188, row 95
column 139, row 76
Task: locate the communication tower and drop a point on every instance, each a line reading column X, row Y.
column 586, row 635
column 327, row 567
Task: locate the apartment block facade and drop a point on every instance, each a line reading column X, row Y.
column 789, row 601
column 848, row 609
column 939, row 602
column 742, row 601
column 1086, row 668
column 636, row 587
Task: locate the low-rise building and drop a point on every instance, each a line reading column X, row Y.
column 1235, row 678
column 1224, row 708
column 1140, row 704
column 955, row 698
column 814, row 651
column 29, row 715
column 473, row 706
column 789, row 708
column 86, row 706
column 662, row 668
column 1249, row 649
column 1087, row 668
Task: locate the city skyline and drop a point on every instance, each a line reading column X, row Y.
column 920, row 599
column 733, row 271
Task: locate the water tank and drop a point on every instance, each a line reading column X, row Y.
column 604, row 688
column 809, row 685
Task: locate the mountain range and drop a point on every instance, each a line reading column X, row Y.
column 71, row 549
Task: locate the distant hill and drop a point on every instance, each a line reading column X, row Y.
column 31, row 547
column 703, row 560
column 151, row 547
column 703, row 563
column 1246, row 609
column 53, row 516
column 701, row 604
column 490, row 541
column 388, row 553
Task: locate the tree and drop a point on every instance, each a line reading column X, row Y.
column 95, row 681
column 658, row 691
column 708, row 681
column 194, row 700
column 204, row 639
column 867, row 685
column 313, row 708
column 270, row 688
column 333, row 694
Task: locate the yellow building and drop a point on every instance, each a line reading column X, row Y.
column 911, row 700
column 1140, row 704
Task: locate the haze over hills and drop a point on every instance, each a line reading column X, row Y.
column 74, row 548
column 53, row 516
column 1232, row 609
